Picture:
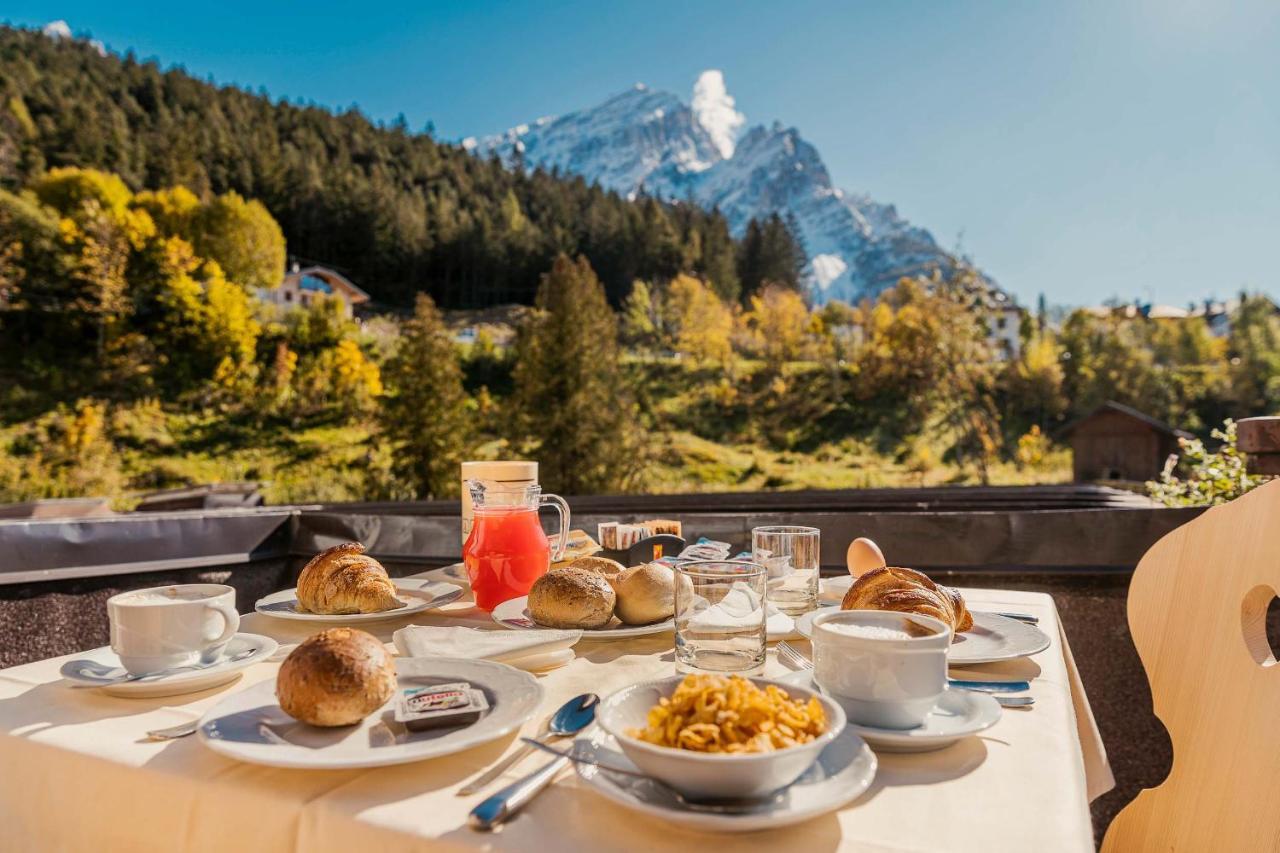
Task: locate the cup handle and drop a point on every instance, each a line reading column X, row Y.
column 230, row 617
column 562, row 509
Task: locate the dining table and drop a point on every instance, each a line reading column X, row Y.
column 77, row 771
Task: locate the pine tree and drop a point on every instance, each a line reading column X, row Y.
column 770, row 254
column 569, row 397
column 425, row 415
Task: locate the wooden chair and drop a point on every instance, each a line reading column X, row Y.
column 1197, row 612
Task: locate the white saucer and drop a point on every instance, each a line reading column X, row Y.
column 958, row 714
column 250, row 726
column 992, row 638
column 842, row 772
column 514, row 614
column 457, row 572
column 101, row 668
column 418, row 595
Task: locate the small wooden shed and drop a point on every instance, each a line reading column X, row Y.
column 1118, row 442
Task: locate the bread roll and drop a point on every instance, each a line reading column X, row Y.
column 336, row 678
column 600, row 565
column 646, row 594
column 343, row 579
column 571, row 598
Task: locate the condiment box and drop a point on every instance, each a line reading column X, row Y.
column 440, row 705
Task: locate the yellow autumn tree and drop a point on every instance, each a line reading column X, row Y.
column 781, row 327
column 703, row 324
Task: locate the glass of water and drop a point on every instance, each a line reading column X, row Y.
column 790, row 554
column 720, row 617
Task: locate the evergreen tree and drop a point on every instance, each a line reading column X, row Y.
column 770, row 254
column 569, row 396
column 424, row 414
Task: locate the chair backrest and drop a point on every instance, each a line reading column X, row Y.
column 1197, row 612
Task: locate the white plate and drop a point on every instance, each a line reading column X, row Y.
column 832, row 590
column 250, row 725
column 992, row 638
column 842, row 772
column 958, row 714
column 100, row 667
column 514, row 614
column 418, row 595
column 457, row 572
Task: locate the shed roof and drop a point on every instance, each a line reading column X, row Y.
column 1130, row 412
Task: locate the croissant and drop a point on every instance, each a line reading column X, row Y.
column 908, row 591
column 342, row 580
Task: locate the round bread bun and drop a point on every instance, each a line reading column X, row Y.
column 645, row 594
column 571, row 598
column 336, row 678
column 599, row 565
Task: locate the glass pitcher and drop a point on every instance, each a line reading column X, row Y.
column 507, row 549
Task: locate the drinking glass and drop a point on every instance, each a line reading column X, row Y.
column 720, row 617
column 791, row 556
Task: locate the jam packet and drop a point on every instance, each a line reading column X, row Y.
column 440, row 705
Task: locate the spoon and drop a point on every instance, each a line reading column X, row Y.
column 573, row 717
column 729, row 806
column 506, row 802
column 106, row 673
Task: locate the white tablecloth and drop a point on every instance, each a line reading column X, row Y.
column 77, row 774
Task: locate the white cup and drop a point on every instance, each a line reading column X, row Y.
column 162, row 627
column 507, row 474
column 886, row 669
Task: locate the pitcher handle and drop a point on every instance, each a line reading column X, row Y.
column 562, row 509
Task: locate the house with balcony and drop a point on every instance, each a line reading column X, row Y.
column 304, row 285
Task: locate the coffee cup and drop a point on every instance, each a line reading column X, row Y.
column 886, row 669
column 162, row 627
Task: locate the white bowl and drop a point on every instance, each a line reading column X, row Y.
column 712, row 775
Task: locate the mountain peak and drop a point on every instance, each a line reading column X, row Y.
column 645, row 140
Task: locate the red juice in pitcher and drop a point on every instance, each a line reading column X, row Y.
column 506, row 552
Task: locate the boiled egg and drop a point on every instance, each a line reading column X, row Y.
column 863, row 556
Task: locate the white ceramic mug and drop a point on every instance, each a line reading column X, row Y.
column 162, row 627
column 886, row 669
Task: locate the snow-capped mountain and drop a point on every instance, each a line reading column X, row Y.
column 644, row 140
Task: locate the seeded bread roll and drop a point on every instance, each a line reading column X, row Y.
column 571, row 598
column 646, row 594
column 336, row 678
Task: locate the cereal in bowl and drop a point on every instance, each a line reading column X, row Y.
column 714, row 713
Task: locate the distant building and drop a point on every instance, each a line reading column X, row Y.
column 303, row 285
column 1216, row 313
column 1117, row 442
column 1004, row 328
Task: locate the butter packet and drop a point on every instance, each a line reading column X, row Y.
column 440, row 705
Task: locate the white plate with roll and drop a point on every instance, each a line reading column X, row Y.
column 514, row 614
column 418, row 595
column 251, row 726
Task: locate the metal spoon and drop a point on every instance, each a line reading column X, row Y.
column 573, row 717
column 729, row 806
column 506, row 802
column 94, row 670
column 174, row 732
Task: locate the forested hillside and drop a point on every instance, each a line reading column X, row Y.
column 395, row 209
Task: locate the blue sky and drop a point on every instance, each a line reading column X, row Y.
column 1082, row 149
